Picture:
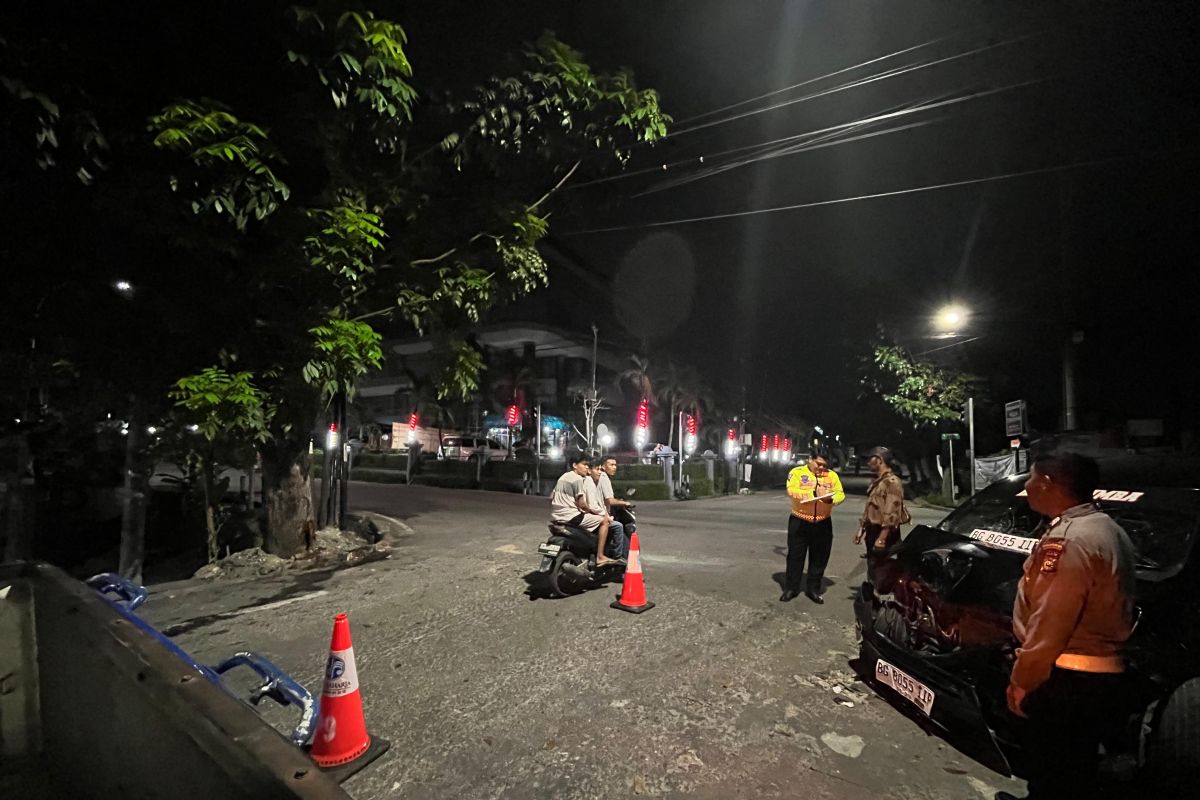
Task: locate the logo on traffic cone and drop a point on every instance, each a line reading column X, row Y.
column 633, row 588
column 341, row 734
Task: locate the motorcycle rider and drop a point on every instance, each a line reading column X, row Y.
column 618, row 541
column 570, row 505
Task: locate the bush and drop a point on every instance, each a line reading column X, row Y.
column 646, row 490
column 382, row 460
column 702, row 487
column 377, row 475
column 697, row 469
column 639, row 472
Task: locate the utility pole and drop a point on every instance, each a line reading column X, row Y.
column 971, row 439
column 590, row 400
column 537, row 453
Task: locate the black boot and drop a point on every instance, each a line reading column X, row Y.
column 788, row 594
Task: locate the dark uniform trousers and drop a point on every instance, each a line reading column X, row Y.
column 811, row 539
column 1069, row 715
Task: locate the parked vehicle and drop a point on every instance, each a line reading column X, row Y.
column 568, row 563
column 462, row 448
column 936, row 625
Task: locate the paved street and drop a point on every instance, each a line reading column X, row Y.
column 718, row 692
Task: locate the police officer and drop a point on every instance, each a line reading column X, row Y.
column 815, row 489
column 1073, row 614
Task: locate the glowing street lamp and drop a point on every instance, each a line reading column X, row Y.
column 950, row 319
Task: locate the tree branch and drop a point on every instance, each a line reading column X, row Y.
column 481, row 234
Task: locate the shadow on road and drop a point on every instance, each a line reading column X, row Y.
column 301, row 583
column 826, row 582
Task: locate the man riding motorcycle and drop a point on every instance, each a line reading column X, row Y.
column 571, row 504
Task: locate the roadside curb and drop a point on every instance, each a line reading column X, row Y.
column 391, row 528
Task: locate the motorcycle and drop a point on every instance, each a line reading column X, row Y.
column 569, row 556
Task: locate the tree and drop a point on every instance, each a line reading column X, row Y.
column 227, row 411
column 638, row 379
column 314, row 193
column 920, row 395
column 919, row 391
column 683, row 390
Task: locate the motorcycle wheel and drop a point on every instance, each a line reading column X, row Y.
column 563, row 583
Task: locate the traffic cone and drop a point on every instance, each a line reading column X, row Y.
column 633, row 588
column 341, row 733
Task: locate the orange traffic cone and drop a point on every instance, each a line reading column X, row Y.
column 633, row 589
column 341, row 734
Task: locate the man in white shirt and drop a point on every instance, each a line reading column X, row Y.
column 570, row 504
column 616, row 530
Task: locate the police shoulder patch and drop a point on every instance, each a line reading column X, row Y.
column 1049, row 552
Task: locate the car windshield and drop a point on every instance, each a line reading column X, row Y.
column 1161, row 522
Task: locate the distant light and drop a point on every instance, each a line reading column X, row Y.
column 193, row 428
column 817, row 428
column 123, row 288
column 385, row 437
column 150, row 429
column 555, row 452
column 950, row 319
column 607, row 440
column 17, row 420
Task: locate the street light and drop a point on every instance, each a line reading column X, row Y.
column 950, row 319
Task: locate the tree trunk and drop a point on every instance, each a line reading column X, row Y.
column 288, row 502
column 17, row 514
column 133, row 502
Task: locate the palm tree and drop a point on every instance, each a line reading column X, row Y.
column 515, row 381
column 685, row 391
column 637, row 377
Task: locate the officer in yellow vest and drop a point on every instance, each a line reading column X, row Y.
column 815, row 489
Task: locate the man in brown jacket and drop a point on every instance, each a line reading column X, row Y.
column 885, row 512
column 1073, row 613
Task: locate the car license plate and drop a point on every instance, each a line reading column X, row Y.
column 905, row 685
column 1004, row 541
column 549, row 549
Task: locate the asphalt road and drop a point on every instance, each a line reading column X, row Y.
column 721, row 691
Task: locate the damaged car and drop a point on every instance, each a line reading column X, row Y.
column 935, row 621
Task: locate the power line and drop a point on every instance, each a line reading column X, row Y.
column 802, row 148
column 873, row 196
column 852, row 85
column 826, row 76
column 845, row 125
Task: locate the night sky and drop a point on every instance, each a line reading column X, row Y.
column 776, row 306
column 779, row 302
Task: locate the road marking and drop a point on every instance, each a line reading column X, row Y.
column 510, row 549
column 276, row 604
column 704, row 562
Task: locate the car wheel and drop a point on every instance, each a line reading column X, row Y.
column 1173, row 754
column 891, row 624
